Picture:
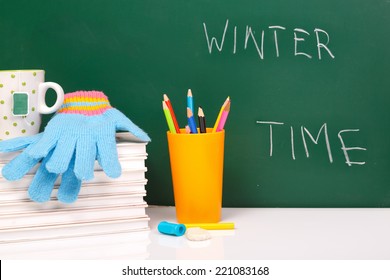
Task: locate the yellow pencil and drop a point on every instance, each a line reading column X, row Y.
column 213, row 226
column 220, row 114
column 168, row 116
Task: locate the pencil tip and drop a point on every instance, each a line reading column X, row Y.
column 227, row 107
column 165, row 97
column 189, row 92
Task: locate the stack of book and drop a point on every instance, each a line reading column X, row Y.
column 107, row 221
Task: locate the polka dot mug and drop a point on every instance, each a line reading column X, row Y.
column 22, row 102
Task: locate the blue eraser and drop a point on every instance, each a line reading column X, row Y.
column 171, row 228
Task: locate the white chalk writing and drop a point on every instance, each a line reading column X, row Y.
column 257, row 41
column 345, row 149
column 323, row 130
column 270, row 134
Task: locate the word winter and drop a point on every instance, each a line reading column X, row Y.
column 322, row 40
column 305, row 133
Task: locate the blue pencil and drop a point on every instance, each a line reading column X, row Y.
column 190, row 100
column 191, row 121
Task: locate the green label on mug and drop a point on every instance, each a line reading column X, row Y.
column 20, row 106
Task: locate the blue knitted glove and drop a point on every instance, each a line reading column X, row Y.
column 21, row 164
column 85, row 128
column 43, row 182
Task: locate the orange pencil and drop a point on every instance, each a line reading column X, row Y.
column 168, row 102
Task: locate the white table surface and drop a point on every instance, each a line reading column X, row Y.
column 260, row 234
column 280, row 234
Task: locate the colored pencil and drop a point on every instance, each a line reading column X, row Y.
column 224, row 116
column 220, row 114
column 201, row 120
column 188, row 130
column 191, row 121
column 169, row 105
column 168, row 117
column 190, row 100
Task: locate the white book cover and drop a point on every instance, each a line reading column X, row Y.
column 86, row 188
column 110, row 245
column 83, row 202
column 127, row 145
column 100, row 191
column 127, row 163
column 128, row 187
column 70, row 215
column 77, row 229
column 128, row 176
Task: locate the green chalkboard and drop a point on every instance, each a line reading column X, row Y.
column 309, row 83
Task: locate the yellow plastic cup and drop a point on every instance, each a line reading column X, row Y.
column 197, row 175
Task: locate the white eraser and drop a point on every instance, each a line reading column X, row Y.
column 197, row 234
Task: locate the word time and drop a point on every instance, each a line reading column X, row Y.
column 306, row 136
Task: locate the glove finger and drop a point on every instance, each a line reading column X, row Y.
column 125, row 124
column 62, row 155
column 85, row 157
column 70, row 185
column 18, row 143
column 43, row 183
column 44, row 145
column 18, row 167
column 108, row 157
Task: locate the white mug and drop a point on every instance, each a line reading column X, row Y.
column 22, row 102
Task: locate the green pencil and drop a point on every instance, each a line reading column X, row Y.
column 168, row 116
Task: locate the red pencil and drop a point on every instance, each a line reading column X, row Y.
column 168, row 102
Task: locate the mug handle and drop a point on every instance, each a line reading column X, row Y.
column 43, row 87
